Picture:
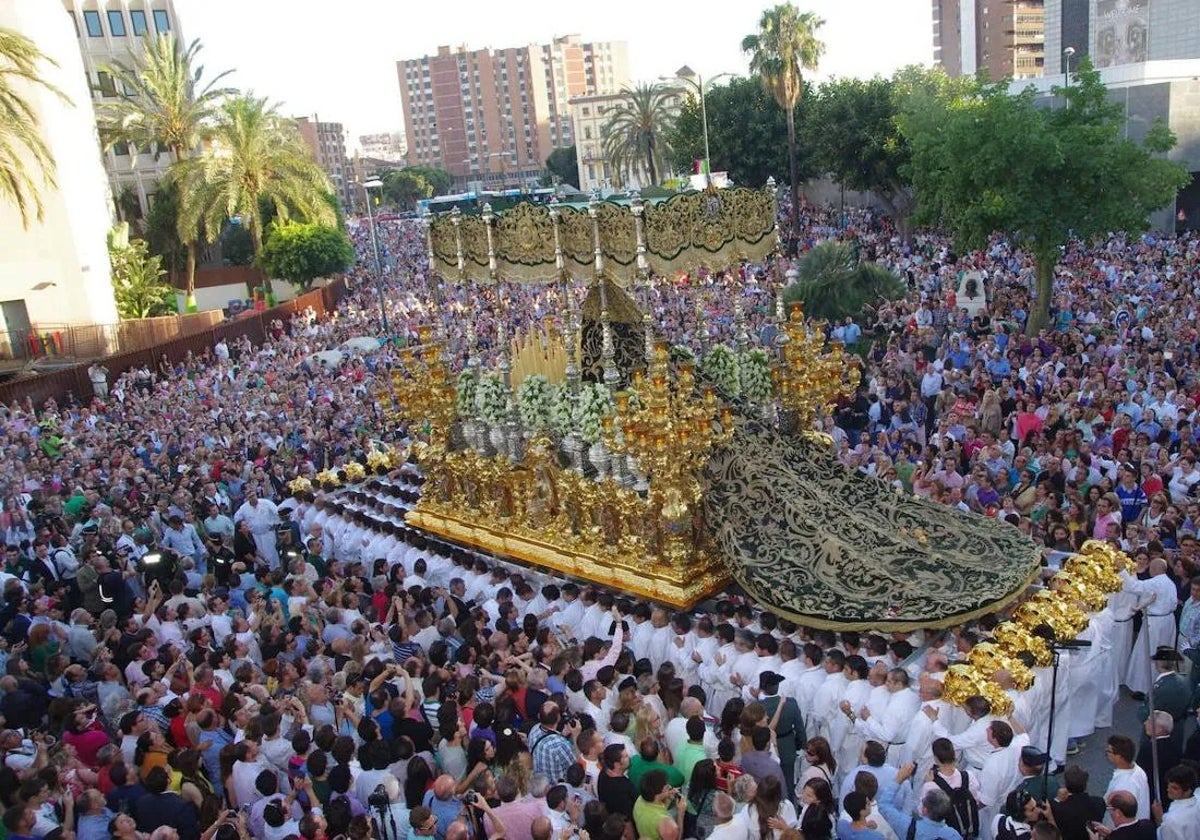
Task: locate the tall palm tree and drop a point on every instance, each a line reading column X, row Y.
column 256, row 154
column 22, row 148
column 165, row 104
column 635, row 136
column 786, row 45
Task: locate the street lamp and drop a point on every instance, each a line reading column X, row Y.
column 367, row 186
column 699, row 85
column 1068, row 54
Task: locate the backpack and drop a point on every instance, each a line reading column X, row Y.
column 964, row 810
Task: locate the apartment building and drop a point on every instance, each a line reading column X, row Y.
column 1005, row 38
column 327, row 140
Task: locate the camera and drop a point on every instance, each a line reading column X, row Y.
column 470, row 797
column 379, row 799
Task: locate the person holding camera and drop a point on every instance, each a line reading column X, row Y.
column 388, row 810
column 552, row 742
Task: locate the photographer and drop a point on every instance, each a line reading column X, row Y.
column 552, row 742
column 388, row 810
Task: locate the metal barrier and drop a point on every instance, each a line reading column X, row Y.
column 73, row 381
column 62, row 341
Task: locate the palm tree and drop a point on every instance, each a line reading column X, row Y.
column 22, row 148
column 256, row 154
column 163, row 103
column 786, row 45
column 635, row 136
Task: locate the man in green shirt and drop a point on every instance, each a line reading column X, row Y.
column 647, row 760
column 654, row 805
column 692, row 751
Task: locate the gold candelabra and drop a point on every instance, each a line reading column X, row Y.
column 422, row 390
column 670, row 434
column 808, row 378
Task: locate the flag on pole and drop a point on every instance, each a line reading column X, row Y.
column 700, row 166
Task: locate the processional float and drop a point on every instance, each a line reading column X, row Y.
column 662, row 472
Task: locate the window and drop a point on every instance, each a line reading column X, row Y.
column 121, row 149
column 91, row 22
column 75, row 23
column 161, row 21
column 106, row 84
column 137, row 19
column 116, row 23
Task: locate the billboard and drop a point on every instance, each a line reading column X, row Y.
column 1122, row 29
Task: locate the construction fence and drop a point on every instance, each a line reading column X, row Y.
column 144, row 346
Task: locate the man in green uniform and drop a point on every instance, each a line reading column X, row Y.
column 789, row 728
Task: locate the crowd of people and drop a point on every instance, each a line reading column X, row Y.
column 192, row 650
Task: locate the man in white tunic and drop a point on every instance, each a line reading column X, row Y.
column 262, row 516
column 972, row 743
column 1157, row 598
column 891, row 727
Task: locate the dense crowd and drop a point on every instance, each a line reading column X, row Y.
column 191, row 650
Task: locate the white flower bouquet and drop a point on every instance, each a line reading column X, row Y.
column 595, row 403
column 491, row 399
column 562, row 411
column 755, row 368
column 720, row 365
column 535, row 401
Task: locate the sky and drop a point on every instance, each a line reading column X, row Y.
column 337, row 59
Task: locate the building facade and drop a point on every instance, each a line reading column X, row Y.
column 1119, row 32
column 55, row 272
column 492, row 117
column 327, row 140
column 388, row 146
column 1005, row 38
column 108, row 31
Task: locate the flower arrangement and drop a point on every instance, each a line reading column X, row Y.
column 721, row 366
column 756, row 375
column 299, row 485
column 355, row 471
column 535, row 400
column 464, row 394
column 562, row 419
column 491, row 399
column 681, row 353
column 329, row 479
column 595, row 403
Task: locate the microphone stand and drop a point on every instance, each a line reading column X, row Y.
column 1155, row 791
column 1056, row 651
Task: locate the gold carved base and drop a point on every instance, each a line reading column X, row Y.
column 680, row 585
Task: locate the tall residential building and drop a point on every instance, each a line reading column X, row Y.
column 55, row 272
column 494, row 116
column 328, row 143
column 1004, row 37
column 110, row 31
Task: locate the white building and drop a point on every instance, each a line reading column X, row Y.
column 55, row 273
column 110, row 31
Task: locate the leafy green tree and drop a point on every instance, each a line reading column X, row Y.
column 833, row 285
column 441, row 181
column 261, row 157
column 24, row 156
column 300, row 253
column 137, row 277
column 237, row 246
column 747, row 133
column 404, row 187
column 999, row 162
column 164, row 103
column 161, row 227
column 637, row 131
column 786, row 45
column 564, row 163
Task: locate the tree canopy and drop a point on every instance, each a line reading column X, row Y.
column 564, row 162
column 833, row 285
column 300, row 253
column 1039, row 173
column 138, row 277
column 24, row 155
column 636, row 135
column 404, row 187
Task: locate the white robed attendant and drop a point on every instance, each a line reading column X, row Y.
column 262, row 516
column 1157, row 598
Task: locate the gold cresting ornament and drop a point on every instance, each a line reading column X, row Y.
column 809, row 379
column 1086, row 579
column 422, row 392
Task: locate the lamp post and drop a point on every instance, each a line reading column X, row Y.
column 1068, row 54
column 698, row 84
column 367, row 186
